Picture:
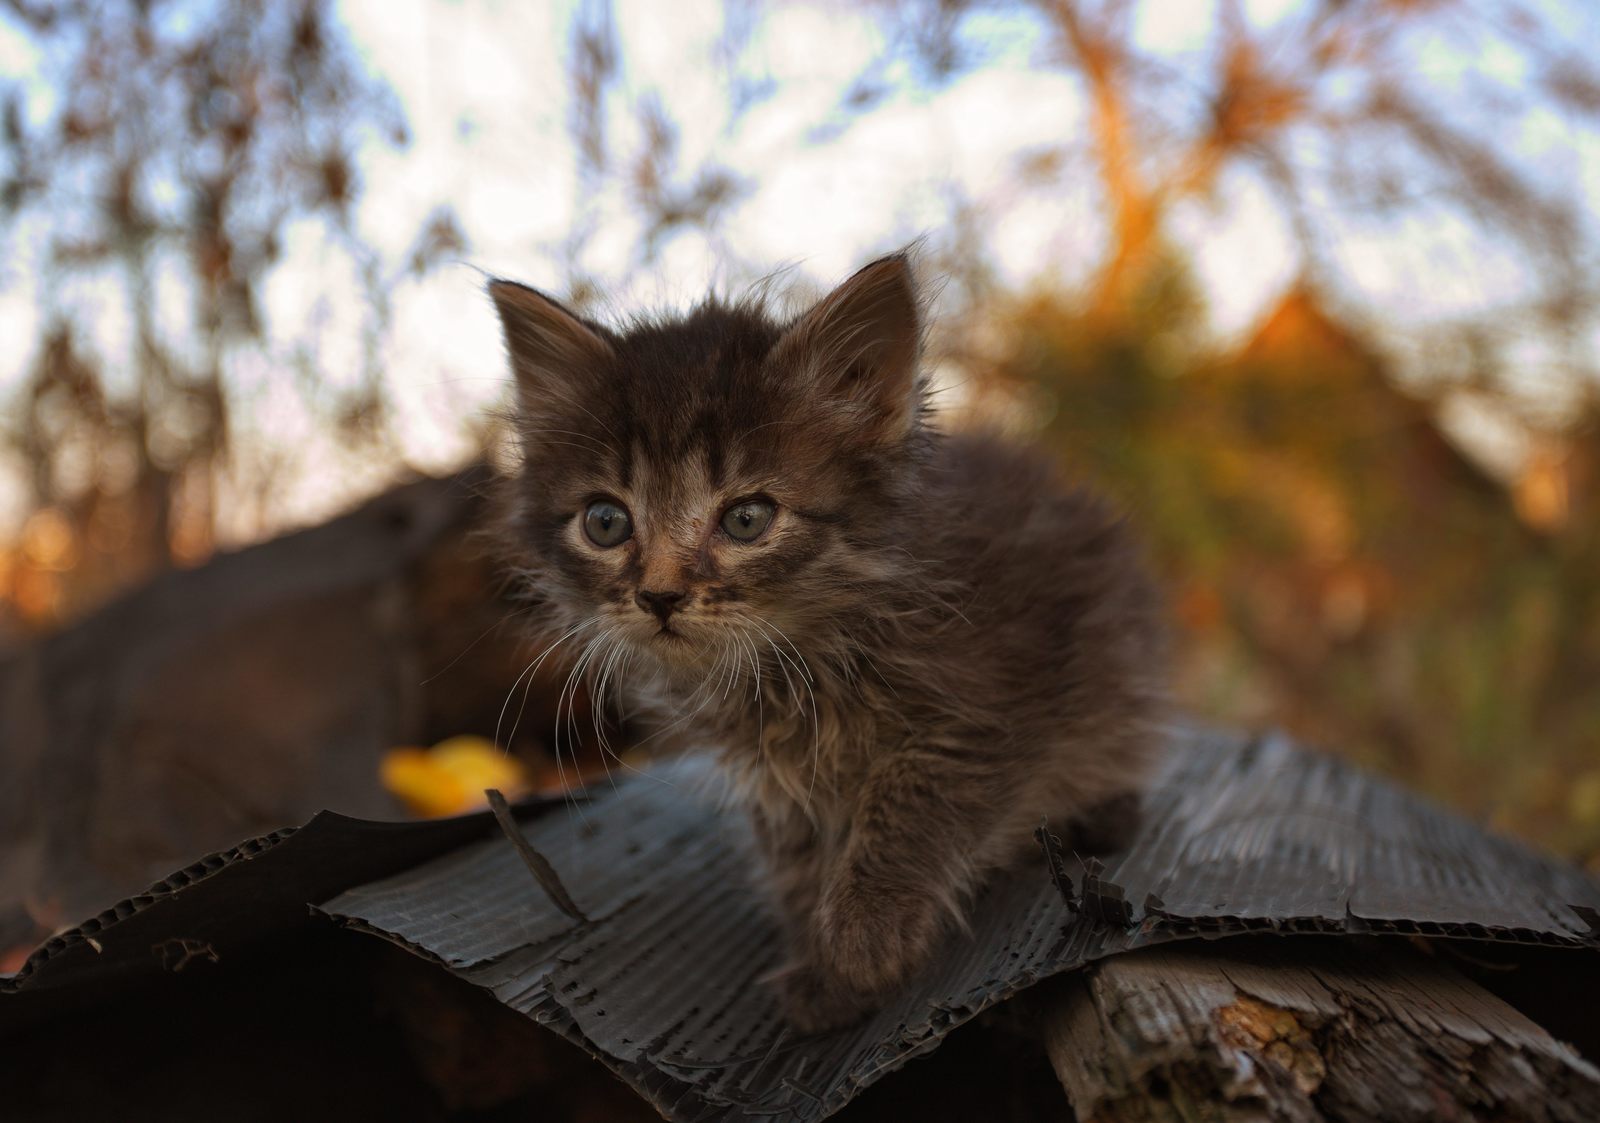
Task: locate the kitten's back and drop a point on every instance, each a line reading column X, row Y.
column 1050, row 619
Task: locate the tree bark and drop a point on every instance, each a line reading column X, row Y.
column 1303, row 1030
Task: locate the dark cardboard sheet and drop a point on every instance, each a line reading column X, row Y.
column 663, row 981
column 225, row 907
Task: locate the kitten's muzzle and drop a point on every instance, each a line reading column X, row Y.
column 660, row 603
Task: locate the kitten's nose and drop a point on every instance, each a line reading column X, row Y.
column 661, row 602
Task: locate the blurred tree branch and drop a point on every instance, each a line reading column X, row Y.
column 1323, row 105
column 182, row 142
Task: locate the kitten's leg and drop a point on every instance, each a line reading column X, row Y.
column 792, row 864
column 924, row 829
column 795, row 863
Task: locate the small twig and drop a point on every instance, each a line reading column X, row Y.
column 538, row 865
column 178, row 952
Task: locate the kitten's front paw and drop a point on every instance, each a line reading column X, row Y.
column 875, row 937
column 816, row 1002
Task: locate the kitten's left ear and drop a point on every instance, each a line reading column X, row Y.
column 862, row 343
column 554, row 353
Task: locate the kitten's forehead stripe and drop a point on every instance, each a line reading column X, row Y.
column 711, row 449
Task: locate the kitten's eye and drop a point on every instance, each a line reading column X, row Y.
column 607, row 524
column 744, row 522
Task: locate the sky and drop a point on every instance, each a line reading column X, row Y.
column 482, row 85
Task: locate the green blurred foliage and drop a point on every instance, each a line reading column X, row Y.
column 1336, row 565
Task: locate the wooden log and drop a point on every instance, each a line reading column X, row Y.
column 224, row 702
column 1303, row 1030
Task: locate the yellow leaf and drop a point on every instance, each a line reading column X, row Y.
column 450, row 778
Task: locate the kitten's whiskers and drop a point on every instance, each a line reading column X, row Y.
column 561, row 700
column 531, row 669
column 804, row 670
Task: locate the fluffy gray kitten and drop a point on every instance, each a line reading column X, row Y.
column 907, row 647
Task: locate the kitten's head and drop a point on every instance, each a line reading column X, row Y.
column 695, row 485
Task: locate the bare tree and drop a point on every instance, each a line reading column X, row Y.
column 1329, row 107
column 183, row 141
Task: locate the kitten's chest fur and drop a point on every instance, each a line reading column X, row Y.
column 811, row 747
column 793, row 748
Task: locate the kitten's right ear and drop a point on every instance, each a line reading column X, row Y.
column 551, row 348
column 860, row 346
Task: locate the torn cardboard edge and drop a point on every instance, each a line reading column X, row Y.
column 1099, row 900
column 1103, row 901
column 85, row 933
column 242, row 894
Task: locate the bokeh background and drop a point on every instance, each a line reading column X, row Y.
column 1310, row 285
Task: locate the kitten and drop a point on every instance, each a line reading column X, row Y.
column 908, row 647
